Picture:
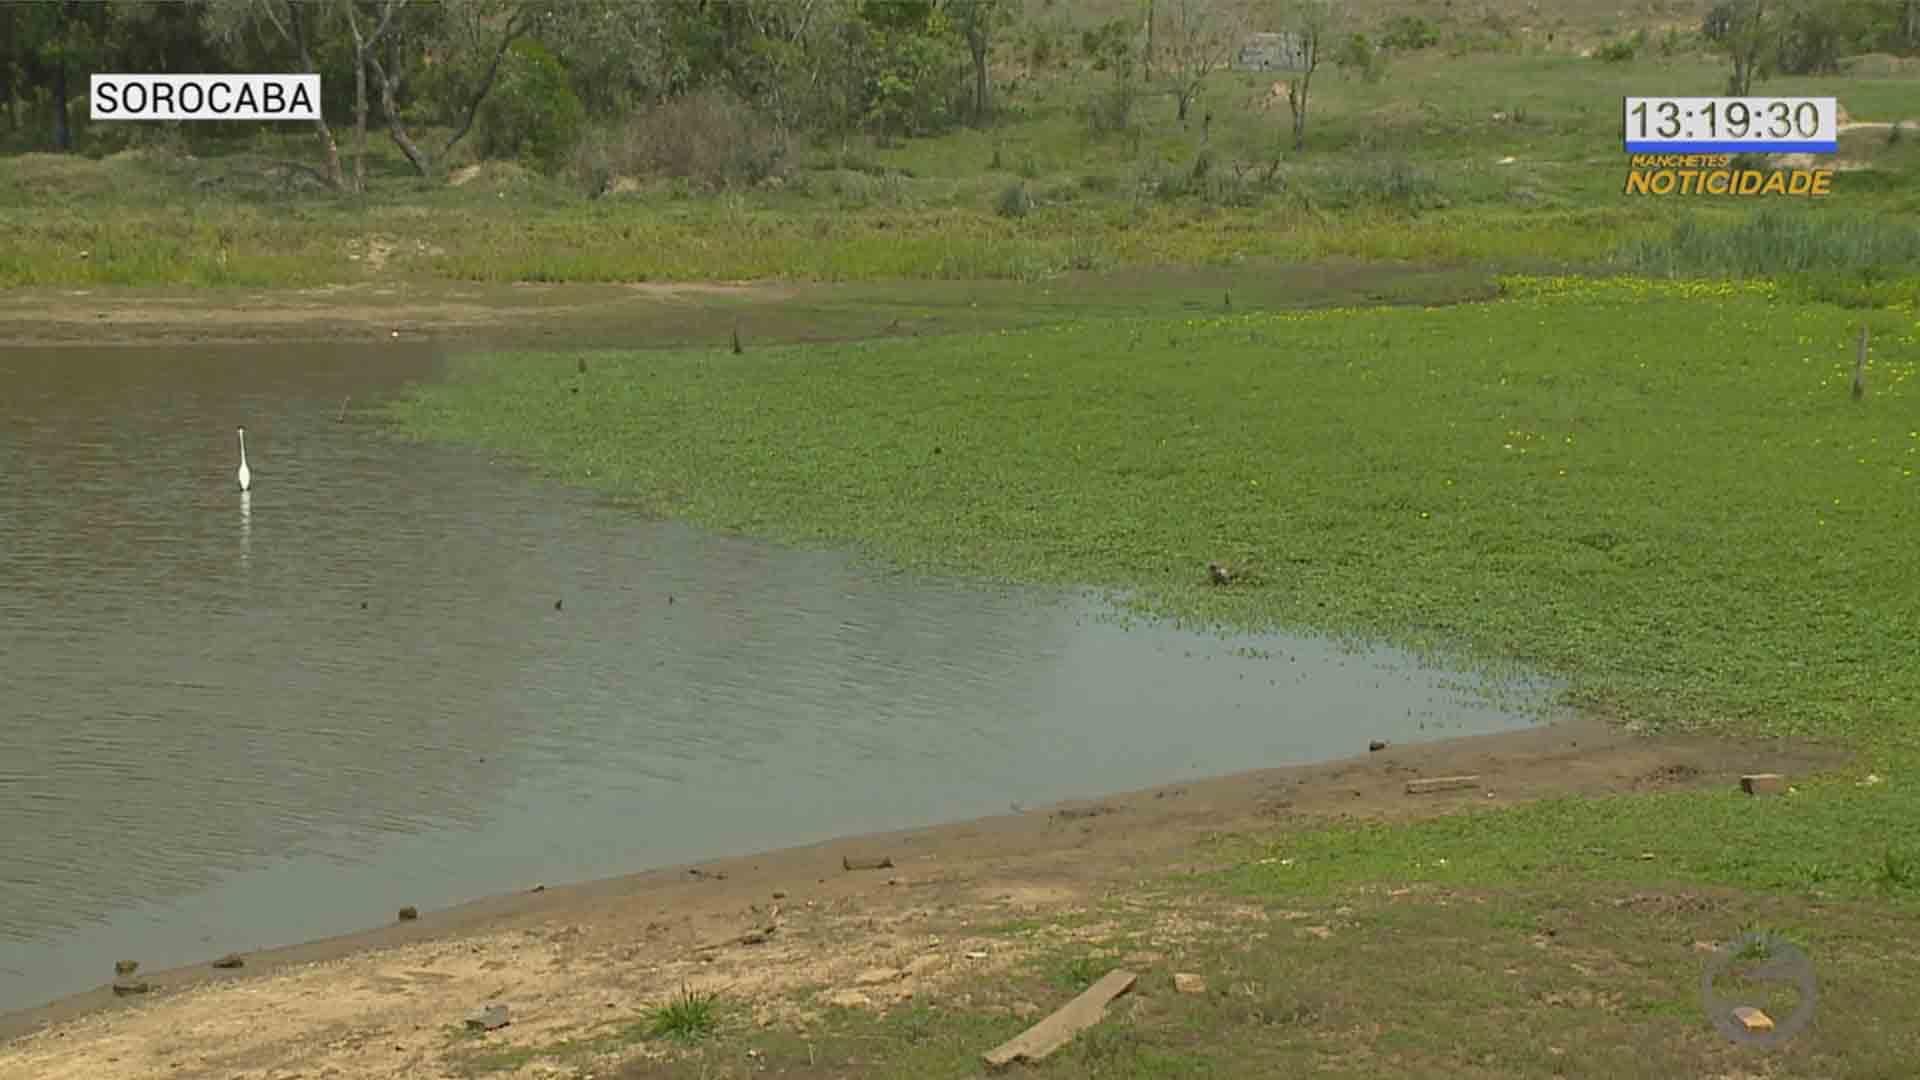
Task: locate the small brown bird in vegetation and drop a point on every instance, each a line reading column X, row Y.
column 1220, row 573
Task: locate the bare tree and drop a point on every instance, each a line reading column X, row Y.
column 1200, row 35
column 363, row 45
column 296, row 25
column 1308, row 21
column 487, row 28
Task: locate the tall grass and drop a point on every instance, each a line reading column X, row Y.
column 1854, row 259
column 1773, row 241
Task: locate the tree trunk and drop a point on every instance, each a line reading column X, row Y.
column 978, row 41
column 62, row 133
column 360, row 122
column 1297, row 90
column 513, row 30
column 396, row 128
column 1147, row 54
column 297, row 30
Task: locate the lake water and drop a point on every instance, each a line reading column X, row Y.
column 231, row 722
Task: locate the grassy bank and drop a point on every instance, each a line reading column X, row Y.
column 1518, row 167
column 1582, row 982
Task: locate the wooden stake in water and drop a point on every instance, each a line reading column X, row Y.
column 1860, row 368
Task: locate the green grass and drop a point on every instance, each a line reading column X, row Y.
column 689, row 1017
column 1575, row 979
column 1662, row 493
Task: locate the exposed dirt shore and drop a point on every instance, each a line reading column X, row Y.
column 578, row 959
column 578, row 315
column 654, row 314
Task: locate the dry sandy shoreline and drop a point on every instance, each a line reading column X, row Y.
column 575, row 959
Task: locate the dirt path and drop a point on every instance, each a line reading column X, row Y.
column 580, row 961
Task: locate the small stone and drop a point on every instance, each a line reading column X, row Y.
column 538, row 888
column 920, row 965
column 875, row 976
column 1763, row 784
column 976, row 955
column 125, row 967
column 1187, row 982
column 488, row 1019
column 409, row 913
column 231, row 960
column 128, row 984
column 1752, row 1019
column 1376, row 745
column 779, row 895
column 849, row 999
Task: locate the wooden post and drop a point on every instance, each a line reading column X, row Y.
column 1860, row 367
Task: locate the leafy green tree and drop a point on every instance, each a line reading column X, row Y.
column 1748, row 33
column 533, row 114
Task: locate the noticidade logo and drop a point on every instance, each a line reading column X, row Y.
column 1715, row 174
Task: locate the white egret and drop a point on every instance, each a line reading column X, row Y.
column 246, row 475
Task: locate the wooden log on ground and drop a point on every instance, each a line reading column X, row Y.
column 1069, row 1020
column 1441, row 783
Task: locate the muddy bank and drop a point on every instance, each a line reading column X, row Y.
column 653, row 314
column 574, row 959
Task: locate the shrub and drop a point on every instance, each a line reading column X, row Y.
column 1615, row 52
column 1013, row 202
column 532, row 114
column 1393, row 183
column 1411, row 33
column 1355, row 54
column 1110, row 111
column 712, row 140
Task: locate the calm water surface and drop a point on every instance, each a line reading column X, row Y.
column 231, row 722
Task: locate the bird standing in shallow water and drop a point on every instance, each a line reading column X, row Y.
column 246, row 475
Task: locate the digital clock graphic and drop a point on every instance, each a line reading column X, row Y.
column 1731, row 125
